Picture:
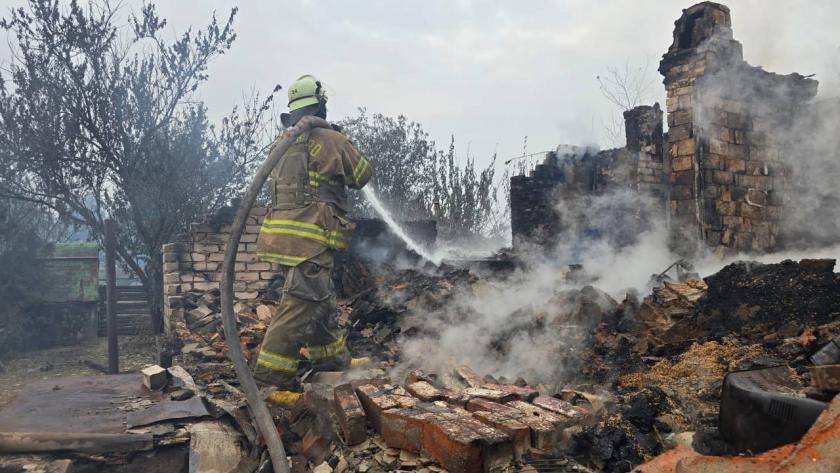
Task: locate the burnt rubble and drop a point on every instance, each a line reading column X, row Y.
column 737, row 371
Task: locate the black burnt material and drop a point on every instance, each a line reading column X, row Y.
column 755, row 299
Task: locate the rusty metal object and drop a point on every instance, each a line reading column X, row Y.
column 265, row 422
column 759, row 409
column 33, row 442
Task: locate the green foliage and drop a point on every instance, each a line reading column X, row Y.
column 98, row 121
column 21, row 225
column 415, row 180
column 404, row 163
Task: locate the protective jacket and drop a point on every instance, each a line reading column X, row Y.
column 309, row 194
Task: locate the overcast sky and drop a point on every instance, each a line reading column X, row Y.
column 489, row 72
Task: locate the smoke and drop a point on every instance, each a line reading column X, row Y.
column 532, row 323
column 812, row 216
column 772, row 123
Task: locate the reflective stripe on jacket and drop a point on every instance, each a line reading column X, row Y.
column 290, row 236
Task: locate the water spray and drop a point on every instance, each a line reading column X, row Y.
column 396, row 228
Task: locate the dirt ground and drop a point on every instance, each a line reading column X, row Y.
column 18, row 369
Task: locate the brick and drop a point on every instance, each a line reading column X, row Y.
column 826, row 377
column 491, row 394
column 419, row 375
column 546, row 427
column 518, row 432
column 246, row 295
column 154, row 377
column 245, row 258
column 173, row 247
column 718, row 147
column 679, row 133
column 404, row 428
column 683, row 148
column 455, row 397
column 479, row 404
column 469, row 376
column 520, row 393
column 682, row 163
column 682, row 178
column 463, row 444
column 563, row 408
column 261, row 266
column 249, row 238
column 722, row 177
column 349, row 414
column 736, row 165
column 496, row 446
column 315, row 447
column 247, row 276
column 424, row 391
column 377, row 399
column 453, row 445
column 544, row 433
column 202, row 248
column 172, row 289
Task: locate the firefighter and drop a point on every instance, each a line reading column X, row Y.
column 306, row 224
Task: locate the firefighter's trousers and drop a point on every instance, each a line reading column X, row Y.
column 304, row 333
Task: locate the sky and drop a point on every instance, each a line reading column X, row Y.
column 488, row 72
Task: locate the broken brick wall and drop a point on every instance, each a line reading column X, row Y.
column 552, row 199
column 726, row 151
column 194, row 264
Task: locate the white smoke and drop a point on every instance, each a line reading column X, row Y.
column 529, row 322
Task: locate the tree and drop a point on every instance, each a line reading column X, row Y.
column 22, row 226
column 99, row 124
column 467, row 197
column 626, row 88
column 415, row 180
column 404, row 159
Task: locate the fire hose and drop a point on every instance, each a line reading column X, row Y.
column 264, row 420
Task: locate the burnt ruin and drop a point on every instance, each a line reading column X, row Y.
column 514, row 368
column 724, row 166
column 570, row 174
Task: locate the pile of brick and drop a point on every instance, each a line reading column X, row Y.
column 480, row 426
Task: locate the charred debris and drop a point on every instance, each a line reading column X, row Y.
column 737, row 371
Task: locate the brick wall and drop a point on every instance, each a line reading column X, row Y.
column 195, row 263
column 727, row 174
column 571, row 174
